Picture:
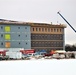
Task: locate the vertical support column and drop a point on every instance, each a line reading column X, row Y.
column 63, row 39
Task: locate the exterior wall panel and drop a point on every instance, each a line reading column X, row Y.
column 17, row 35
column 47, row 38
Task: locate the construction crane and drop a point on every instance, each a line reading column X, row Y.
column 67, row 22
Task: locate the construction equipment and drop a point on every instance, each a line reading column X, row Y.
column 67, row 22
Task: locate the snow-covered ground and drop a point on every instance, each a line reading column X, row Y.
column 38, row 67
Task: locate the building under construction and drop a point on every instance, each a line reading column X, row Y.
column 27, row 35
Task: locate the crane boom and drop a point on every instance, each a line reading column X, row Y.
column 67, row 22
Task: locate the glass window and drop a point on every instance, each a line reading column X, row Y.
column 19, row 43
column 1, row 27
column 36, row 29
column 7, row 37
column 18, row 27
column 1, row 35
column 25, row 27
column 19, row 35
column 45, row 29
column 48, row 29
column 51, row 30
column 7, row 44
column 60, row 30
column 26, row 35
column 42, row 29
column 33, row 29
column 1, row 43
column 54, row 30
column 39, row 29
column 57, row 30
column 7, row 28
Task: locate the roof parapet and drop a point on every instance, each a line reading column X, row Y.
column 3, row 21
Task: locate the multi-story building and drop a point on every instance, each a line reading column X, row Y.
column 47, row 36
column 38, row 36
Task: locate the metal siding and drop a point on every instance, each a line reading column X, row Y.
column 23, row 31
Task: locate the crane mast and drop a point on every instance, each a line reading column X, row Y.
column 67, row 22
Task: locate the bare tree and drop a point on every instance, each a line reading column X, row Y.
column 70, row 47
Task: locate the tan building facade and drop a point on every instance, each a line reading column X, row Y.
column 47, row 37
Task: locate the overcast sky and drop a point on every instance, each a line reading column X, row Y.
column 41, row 11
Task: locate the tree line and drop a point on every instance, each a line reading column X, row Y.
column 70, row 47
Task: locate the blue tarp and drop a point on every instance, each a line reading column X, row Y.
column 43, row 51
